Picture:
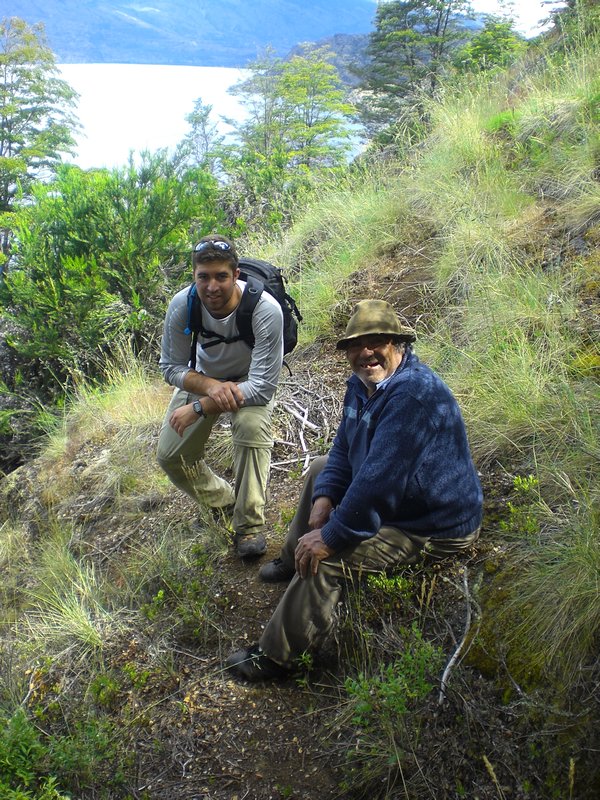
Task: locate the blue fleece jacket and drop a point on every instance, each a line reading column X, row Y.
column 400, row 458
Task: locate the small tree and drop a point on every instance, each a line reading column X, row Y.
column 317, row 113
column 572, row 18
column 497, row 45
column 262, row 130
column 297, row 123
column 199, row 146
column 412, row 42
column 36, row 124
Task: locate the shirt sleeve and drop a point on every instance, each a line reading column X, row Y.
column 267, row 354
column 175, row 345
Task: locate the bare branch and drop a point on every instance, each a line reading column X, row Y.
column 457, row 653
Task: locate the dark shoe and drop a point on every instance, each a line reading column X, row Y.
column 253, row 665
column 249, row 546
column 276, row 571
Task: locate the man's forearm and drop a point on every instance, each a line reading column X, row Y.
column 320, row 512
column 197, row 383
column 215, row 396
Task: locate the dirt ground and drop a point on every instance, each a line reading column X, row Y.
column 220, row 738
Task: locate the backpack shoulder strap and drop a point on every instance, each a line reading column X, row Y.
column 194, row 321
column 243, row 316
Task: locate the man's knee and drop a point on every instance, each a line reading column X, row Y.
column 442, row 548
column 169, row 465
column 316, row 466
column 166, row 455
column 252, row 429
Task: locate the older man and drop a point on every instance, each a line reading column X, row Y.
column 399, row 480
column 228, row 375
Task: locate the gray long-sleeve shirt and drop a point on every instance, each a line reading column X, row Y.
column 260, row 366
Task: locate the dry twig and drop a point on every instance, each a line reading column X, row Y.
column 457, row 653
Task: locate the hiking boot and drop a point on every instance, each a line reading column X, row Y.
column 276, row 571
column 253, row 665
column 249, row 546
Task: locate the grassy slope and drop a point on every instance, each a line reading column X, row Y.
column 502, row 200
column 498, row 208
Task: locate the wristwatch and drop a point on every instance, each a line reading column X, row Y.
column 197, row 406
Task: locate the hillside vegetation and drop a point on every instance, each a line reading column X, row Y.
column 478, row 680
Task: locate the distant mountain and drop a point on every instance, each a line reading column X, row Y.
column 210, row 33
column 349, row 52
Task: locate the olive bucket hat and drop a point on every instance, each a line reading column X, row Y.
column 375, row 317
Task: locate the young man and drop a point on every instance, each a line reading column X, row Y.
column 227, row 377
column 399, row 479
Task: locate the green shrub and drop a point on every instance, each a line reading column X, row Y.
column 21, row 750
column 90, row 755
column 379, row 720
column 93, row 248
column 394, row 689
column 24, row 762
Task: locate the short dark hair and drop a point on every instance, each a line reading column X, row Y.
column 208, row 249
column 401, row 344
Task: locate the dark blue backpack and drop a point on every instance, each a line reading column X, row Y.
column 259, row 276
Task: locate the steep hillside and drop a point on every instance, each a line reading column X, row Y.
column 475, row 678
column 153, row 712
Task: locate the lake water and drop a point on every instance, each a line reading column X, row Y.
column 124, row 107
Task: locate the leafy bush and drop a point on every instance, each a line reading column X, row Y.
column 24, row 762
column 94, row 251
column 388, row 694
column 33, row 764
column 380, row 718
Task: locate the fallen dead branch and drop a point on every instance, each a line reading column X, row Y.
column 459, row 650
column 306, row 412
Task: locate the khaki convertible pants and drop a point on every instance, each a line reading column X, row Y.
column 306, row 612
column 182, row 458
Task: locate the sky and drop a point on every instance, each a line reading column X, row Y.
column 134, row 107
column 527, row 13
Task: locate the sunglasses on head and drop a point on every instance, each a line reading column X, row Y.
column 218, row 245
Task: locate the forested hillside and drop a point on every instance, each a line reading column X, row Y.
column 475, row 210
column 213, row 33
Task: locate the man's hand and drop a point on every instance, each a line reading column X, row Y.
column 227, row 395
column 218, row 396
column 182, row 418
column 319, row 513
column 310, row 551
